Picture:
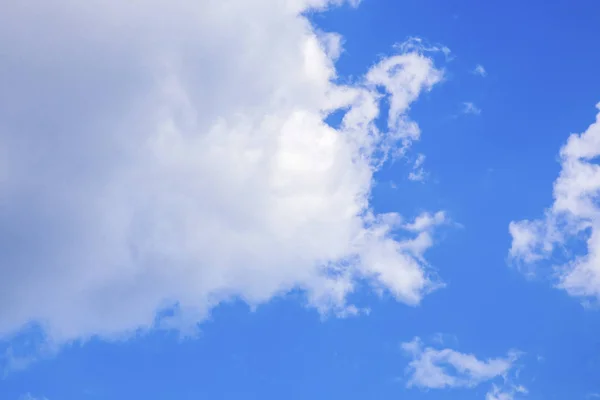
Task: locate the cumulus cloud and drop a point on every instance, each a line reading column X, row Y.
column 446, row 368
column 573, row 219
column 174, row 154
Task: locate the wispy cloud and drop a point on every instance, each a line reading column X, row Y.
column 29, row 396
column 24, row 349
column 418, row 173
column 418, row 44
column 508, row 392
column 446, row 368
column 470, row 108
column 479, row 70
column 443, row 338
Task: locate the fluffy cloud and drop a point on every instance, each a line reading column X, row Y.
column 573, row 218
column 447, row 368
column 165, row 154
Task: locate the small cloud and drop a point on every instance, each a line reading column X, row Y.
column 479, row 70
column 470, row 108
column 426, row 221
column 505, row 393
column 417, row 176
column 444, row 339
column 446, row 368
column 420, row 45
column 418, row 173
column 29, row 396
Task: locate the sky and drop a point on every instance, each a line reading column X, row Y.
column 299, row 199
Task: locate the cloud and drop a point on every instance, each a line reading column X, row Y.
column 573, row 218
column 25, row 349
column 418, row 44
column 14, row 363
column 418, row 173
column 497, row 394
column 479, row 70
column 442, row 339
column 508, row 393
column 447, row 368
column 470, row 108
column 29, row 396
column 174, row 155
column 426, row 221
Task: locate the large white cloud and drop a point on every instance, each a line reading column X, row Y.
column 163, row 153
column 573, row 219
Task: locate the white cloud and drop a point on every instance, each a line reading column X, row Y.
column 574, row 217
column 418, row 173
column 497, row 394
column 447, row 368
column 426, row 221
column 505, row 393
column 175, row 154
column 480, row 70
column 470, row 108
column 418, row 44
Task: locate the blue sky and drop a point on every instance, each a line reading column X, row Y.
column 316, row 305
